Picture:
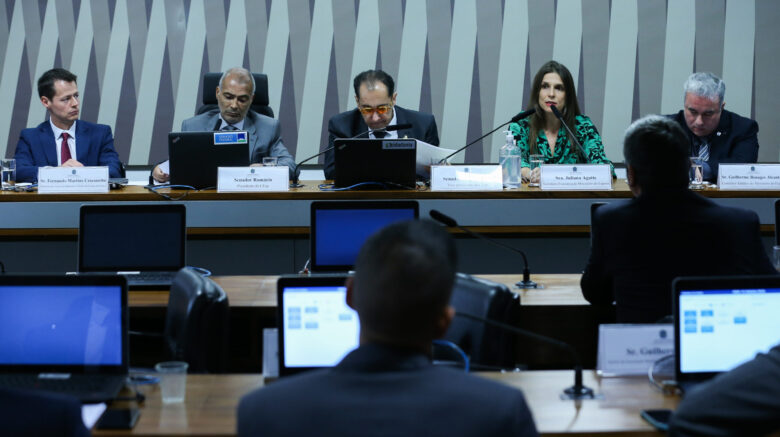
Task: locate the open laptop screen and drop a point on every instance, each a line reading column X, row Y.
column 722, row 325
column 339, row 229
column 317, row 328
column 59, row 322
column 116, row 238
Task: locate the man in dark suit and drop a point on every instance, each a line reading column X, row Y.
column 63, row 140
column 235, row 93
column 33, row 414
column 715, row 135
column 376, row 109
column 388, row 386
column 639, row 246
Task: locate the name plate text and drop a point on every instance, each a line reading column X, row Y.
column 55, row 180
column 749, row 176
column 576, row 177
column 632, row 349
column 466, row 178
column 252, row 179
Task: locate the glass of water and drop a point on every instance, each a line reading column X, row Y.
column 696, row 173
column 535, row 161
column 270, row 161
column 8, row 175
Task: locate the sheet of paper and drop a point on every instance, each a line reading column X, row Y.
column 428, row 155
column 90, row 413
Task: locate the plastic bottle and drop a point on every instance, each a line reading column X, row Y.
column 509, row 158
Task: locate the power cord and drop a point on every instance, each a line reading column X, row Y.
column 666, row 386
column 456, row 348
column 190, row 189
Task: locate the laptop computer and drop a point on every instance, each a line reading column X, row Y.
column 339, row 229
column 196, row 156
column 145, row 243
column 316, row 327
column 722, row 322
column 64, row 333
column 389, row 162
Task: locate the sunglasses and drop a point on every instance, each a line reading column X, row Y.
column 381, row 109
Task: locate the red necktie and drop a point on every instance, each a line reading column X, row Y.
column 65, row 150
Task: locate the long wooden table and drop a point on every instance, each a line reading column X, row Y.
column 211, row 400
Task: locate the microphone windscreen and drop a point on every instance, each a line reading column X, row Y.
column 443, row 219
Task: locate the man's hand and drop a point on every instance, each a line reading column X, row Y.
column 72, row 163
column 159, row 175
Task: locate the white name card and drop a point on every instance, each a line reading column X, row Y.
column 466, row 178
column 576, row 177
column 54, row 180
column 632, row 349
column 251, row 179
column 749, row 176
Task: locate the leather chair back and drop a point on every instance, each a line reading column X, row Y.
column 259, row 103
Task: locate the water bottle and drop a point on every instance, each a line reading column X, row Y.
column 509, row 158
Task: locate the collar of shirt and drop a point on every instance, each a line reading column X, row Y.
column 391, row 134
column 71, row 139
column 239, row 125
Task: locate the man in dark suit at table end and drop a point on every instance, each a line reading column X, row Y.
column 388, row 385
column 716, row 135
column 235, row 93
column 639, row 246
column 376, row 109
column 64, row 140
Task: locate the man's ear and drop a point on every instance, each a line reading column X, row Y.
column 45, row 101
column 217, row 92
column 394, row 97
column 444, row 321
column 350, row 291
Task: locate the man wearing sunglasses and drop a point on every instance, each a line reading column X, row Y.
column 376, row 109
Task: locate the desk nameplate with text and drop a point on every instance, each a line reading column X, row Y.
column 630, row 349
column 61, row 180
column 466, row 178
column 252, row 179
column 576, row 177
column 749, row 176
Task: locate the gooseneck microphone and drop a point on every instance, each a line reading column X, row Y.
column 297, row 172
column 450, row 222
column 576, row 391
column 573, row 137
column 515, row 119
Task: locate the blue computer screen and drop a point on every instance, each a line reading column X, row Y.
column 341, row 232
column 61, row 325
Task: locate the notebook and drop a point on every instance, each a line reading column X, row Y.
column 64, row 333
column 317, row 328
column 391, row 162
column 145, row 243
column 721, row 323
column 339, row 229
column 196, row 156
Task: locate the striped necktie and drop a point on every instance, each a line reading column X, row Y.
column 704, row 151
column 229, row 127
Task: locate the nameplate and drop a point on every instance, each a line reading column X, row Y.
column 56, row 180
column 252, row 179
column 576, row 177
column 749, row 176
column 466, row 178
column 632, row 349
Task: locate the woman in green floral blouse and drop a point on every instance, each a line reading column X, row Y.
column 553, row 85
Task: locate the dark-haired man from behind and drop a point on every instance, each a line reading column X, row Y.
column 40, row 414
column 388, row 385
column 63, row 140
column 376, row 109
column 639, row 246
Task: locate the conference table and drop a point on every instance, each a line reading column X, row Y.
column 210, row 405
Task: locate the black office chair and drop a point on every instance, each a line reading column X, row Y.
column 259, row 103
column 196, row 323
column 487, row 346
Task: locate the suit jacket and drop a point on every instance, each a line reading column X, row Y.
column 264, row 135
column 32, row 414
column 639, row 246
column 744, row 401
column 379, row 390
column 735, row 140
column 37, row 148
column 351, row 123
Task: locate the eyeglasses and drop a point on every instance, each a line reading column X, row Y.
column 381, row 109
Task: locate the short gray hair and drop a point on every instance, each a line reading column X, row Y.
column 240, row 71
column 705, row 85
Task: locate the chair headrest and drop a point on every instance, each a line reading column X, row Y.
column 211, row 81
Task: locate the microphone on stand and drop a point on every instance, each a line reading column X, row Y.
column 450, row 222
column 576, row 391
column 515, row 119
column 573, row 137
column 296, row 171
